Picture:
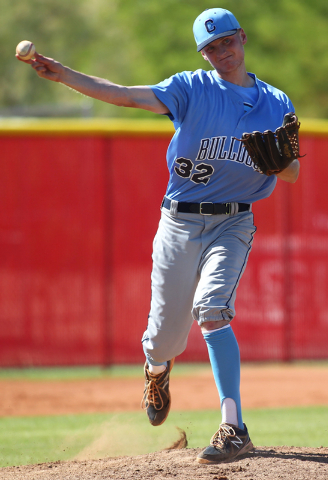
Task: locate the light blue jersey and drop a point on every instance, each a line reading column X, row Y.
column 206, row 162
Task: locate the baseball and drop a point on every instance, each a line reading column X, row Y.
column 25, row 50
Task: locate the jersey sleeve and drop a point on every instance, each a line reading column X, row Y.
column 286, row 103
column 289, row 106
column 175, row 92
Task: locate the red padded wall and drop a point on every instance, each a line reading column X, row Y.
column 52, row 270
column 78, row 217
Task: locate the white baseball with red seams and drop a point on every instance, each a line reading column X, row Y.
column 25, row 50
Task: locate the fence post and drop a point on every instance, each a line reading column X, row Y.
column 287, row 282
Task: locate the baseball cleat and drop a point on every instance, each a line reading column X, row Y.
column 226, row 444
column 157, row 399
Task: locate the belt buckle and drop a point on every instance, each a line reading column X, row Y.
column 202, row 208
column 228, row 205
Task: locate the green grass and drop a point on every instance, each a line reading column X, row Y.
column 75, row 373
column 31, row 440
column 125, row 371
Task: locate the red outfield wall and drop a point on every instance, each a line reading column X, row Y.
column 80, row 206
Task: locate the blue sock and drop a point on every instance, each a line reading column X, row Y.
column 225, row 361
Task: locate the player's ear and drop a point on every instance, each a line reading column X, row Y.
column 243, row 36
column 204, row 55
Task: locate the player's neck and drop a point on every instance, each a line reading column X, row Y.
column 240, row 78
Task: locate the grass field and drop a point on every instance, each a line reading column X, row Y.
column 75, row 373
column 29, row 440
column 121, row 371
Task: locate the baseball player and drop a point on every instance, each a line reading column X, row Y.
column 206, row 228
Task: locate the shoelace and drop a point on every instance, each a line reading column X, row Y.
column 220, row 438
column 153, row 395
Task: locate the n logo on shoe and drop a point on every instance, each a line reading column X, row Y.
column 237, row 442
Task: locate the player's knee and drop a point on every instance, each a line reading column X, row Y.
column 164, row 349
column 213, row 325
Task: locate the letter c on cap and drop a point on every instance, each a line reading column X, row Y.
column 209, row 25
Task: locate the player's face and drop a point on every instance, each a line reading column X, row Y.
column 226, row 54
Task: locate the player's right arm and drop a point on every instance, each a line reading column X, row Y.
column 136, row 97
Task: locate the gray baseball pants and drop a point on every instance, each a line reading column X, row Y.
column 198, row 261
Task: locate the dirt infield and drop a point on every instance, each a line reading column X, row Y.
column 262, row 386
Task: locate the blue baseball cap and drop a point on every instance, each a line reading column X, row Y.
column 212, row 24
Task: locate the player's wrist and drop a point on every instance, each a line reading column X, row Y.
column 62, row 73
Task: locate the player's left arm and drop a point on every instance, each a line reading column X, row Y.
column 290, row 174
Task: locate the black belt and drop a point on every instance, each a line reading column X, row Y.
column 206, row 208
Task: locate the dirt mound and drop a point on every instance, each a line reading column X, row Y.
column 265, row 463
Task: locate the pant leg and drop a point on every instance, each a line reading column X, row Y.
column 177, row 252
column 226, row 249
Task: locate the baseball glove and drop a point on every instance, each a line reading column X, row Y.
column 272, row 152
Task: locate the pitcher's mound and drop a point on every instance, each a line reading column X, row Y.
column 288, row 463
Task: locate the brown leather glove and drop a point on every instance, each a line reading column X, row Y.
column 272, row 152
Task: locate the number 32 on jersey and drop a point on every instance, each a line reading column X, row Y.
column 198, row 174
